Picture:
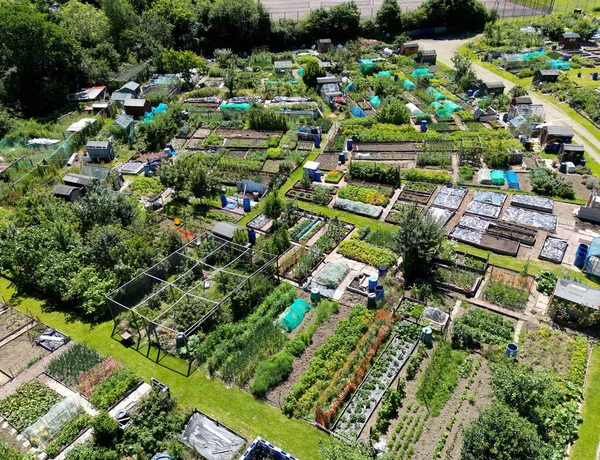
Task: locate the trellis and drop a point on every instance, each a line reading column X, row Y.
column 470, row 151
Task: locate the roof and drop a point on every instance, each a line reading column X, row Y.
column 494, row 84
column 549, row 72
column 563, row 131
column 124, row 121
column 573, row 148
column 283, row 64
column 135, row 103
column 411, row 45
column 131, row 86
column 95, row 91
column 119, row 96
column 78, row 179
column 312, row 165
column 324, row 40
column 328, row 80
column 523, row 100
column 97, row 144
column 570, row 35
column 225, row 229
column 63, row 190
column 577, row 293
column 326, row 64
column 428, row 53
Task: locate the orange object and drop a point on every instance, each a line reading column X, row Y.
column 177, row 221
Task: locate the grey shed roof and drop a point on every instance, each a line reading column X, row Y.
column 225, row 229
column 78, row 179
column 124, row 121
column 131, row 86
column 283, row 64
column 577, row 293
column 97, row 144
column 411, row 45
column 119, row 96
column 428, row 53
column 328, row 80
column 63, row 190
column 135, row 103
column 549, row 72
column 494, row 84
column 571, row 35
column 573, row 148
column 565, row 131
column 324, row 40
column 523, row 100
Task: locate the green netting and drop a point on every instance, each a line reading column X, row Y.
column 422, row 73
column 367, row 67
column 301, row 71
column 384, row 74
column 533, row 54
column 497, row 177
column 375, row 101
column 409, row 85
column 225, row 106
column 294, row 314
column 558, row 64
column 436, row 94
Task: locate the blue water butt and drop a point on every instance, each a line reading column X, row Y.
column 379, row 292
column 470, row 93
column 595, row 76
column 349, row 144
column 317, row 141
column 223, row 200
column 581, row 255
column 246, row 205
column 317, row 176
column 382, row 270
column 511, row 350
column 373, row 279
column 251, row 236
column 423, row 126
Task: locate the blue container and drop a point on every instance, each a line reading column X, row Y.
column 554, row 147
column 349, row 144
column 505, row 117
column 423, row 126
column 581, row 255
column 382, row 270
column 379, row 291
column 470, row 93
column 317, row 176
column 251, row 236
column 595, row 76
column 247, row 205
column 317, row 141
column 373, row 282
column 566, row 58
column 395, row 77
column 223, row 200
column 511, row 350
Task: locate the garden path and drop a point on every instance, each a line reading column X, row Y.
column 445, row 49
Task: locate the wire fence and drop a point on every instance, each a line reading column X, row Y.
column 296, row 10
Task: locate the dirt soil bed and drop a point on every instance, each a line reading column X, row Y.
column 11, row 321
column 246, row 133
column 272, row 166
column 17, row 354
column 581, row 191
column 328, row 161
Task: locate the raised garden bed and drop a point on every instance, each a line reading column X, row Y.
column 450, row 197
column 410, row 308
column 334, row 177
column 259, row 222
column 457, row 279
column 359, row 409
column 359, row 208
column 327, row 160
column 30, row 401
column 531, row 219
column 483, row 240
column 12, row 321
column 395, row 147
column 467, row 261
column 553, row 249
column 322, row 199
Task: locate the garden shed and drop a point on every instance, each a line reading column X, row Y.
column 136, row 107
column 313, row 169
column 546, row 75
column 571, row 152
column 67, row 192
column 409, row 48
column 225, row 230
column 282, row 66
column 324, row 45
column 591, row 265
column 577, row 293
column 78, row 180
column 132, row 88
column 492, row 88
column 100, row 150
column 487, row 114
column 427, row 57
column 561, row 134
column 569, row 40
column 521, row 100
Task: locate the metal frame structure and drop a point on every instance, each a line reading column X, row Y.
column 207, row 270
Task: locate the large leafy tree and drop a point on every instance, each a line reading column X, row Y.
column 464, row 75
column 238, row 24
column 312, row 71
column 40, row 59
column 462, row 15
column 341, row 22
column 84, row 22
column 417, row 239
column 182, row 62
column 389, row 18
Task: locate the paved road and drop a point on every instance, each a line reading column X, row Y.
column 446, row 48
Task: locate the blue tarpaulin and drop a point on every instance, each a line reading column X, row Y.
column 149, row 116
column 357, row 112
column 350, row 88
column 512, row 180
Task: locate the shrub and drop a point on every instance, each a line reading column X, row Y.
column 525, row 73
column 274, row 153
column 105, row 428
column 466, row 173
column 267, row 119
column 395, row 113
column 270, row 372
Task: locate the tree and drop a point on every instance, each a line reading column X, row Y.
column 341, row 22
column 464, row 75
column 121, row 18
column 273, row 206
column 389, row 18
column 312, row 71
column 105, row 427
column 502, row 434
column 551, row 26
column 181, row 15
column 517, row 91
column 182, row 62
column 417, row 239
column 238, row 24
column 201, row 183
column 462, row 15
column 586, row 28
column 84, row 22
column 395, row 112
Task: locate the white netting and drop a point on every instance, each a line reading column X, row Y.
column 45, row 427
column 436, row 316
column 332, row 274
column 358, row 207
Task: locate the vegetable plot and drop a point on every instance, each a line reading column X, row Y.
column 367, row 397
column 70, row 365
column 367, row 253
column 477, row 327
column 31, row 400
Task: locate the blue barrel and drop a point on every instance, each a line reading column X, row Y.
column 315, row 295
column 505, row 117
column 247, row 205
column 317, row 141
column 595, row 76
column 423, row 126
column 379, row 291
column 251, row 236
column 511, row 350
column 581, row 255
column 470, row 93
column 382, row 270
column 566, row 58
column 349, row 144
column 395, row 77
column 373, row 282
column 554, row 147
column 223, row 200
column 317, row 176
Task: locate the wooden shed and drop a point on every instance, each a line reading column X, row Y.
column 427, row 57
column 492, row 88
column 100, row 150
column 409, row 48
column 569, row 40
column 552, row 134
column 324, row 45
column 132, row 88
column 520, row 100
column 136, row 107
column 67, row 192
column 546, row 76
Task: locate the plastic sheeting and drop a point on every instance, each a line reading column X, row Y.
column 467, row 235
column 408, row 85
column 211, row 439
column 332, row 274
column 530, row 218
column 512, row 180
column 450, row 197
column 351, row 88
column 149, row 116
column 357, row 112
column 436, row 316
column 367, row 67
column 226, row 106
column 488, row 204
column 484, row 176
column 554, row 249
column 474, row 223
column 358, row 207
column 558, row 64
column 375, row 101
column 441, row 216
column 435, row 93
column 384, row 74
column 57, row 417
column 422, row 73
column 414, row 110
column 294, row 314
column 537, row 203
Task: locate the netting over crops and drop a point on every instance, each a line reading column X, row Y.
column 57, row 417
column 435, row 93
column 358, row 207
column 422, row 73
column 435, row 316
column 409, row 85
column 332, row 275
column 294, row 314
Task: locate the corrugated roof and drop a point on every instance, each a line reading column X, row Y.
column 78, row 179
column 523, row 100
column 135, row 103
column 428, row 53
column 63, row 190
column 577, row 293
column 565, row 131
column 411, row 45
column 283, row 64
column 549, row 72
column 225, row 229
column 124, row 121
column 573, row 148
column 328, row 80
column 97, row 144
column 119, row 96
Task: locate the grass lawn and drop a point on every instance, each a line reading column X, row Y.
column 231, row 406
column 586, row 447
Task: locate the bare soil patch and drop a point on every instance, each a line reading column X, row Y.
column 19, row 353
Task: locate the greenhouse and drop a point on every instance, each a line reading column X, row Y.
column 57, row 417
